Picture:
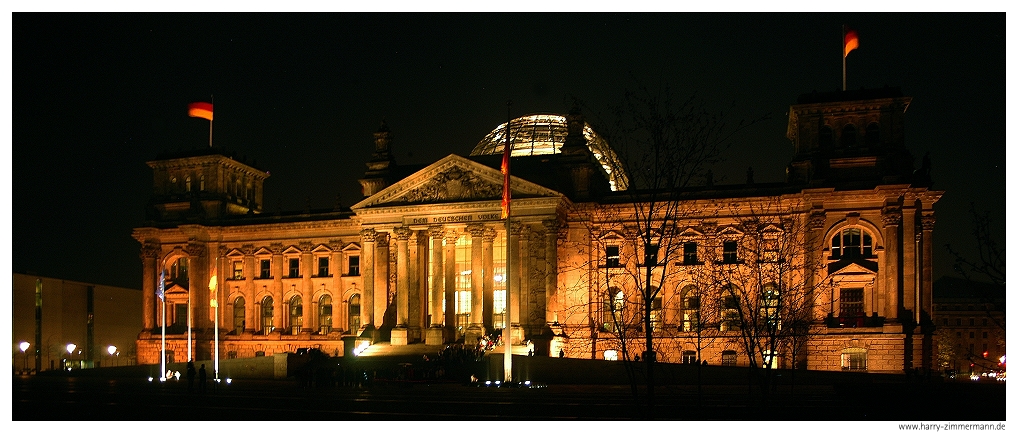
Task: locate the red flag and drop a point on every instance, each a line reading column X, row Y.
column 200, row 109
column 851, row 41
column 505, row 176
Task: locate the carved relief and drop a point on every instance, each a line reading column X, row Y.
column 453, row 184
column 247, row 249
column 368, row 235
column 276, row 248
column 436, row 232
column 817, row 220
column 402, row 233
column 891, row 216
column 195, row 249
column 305, row 246
column 928, row 220
column 150, row 250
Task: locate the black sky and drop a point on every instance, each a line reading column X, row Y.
column 95, row 96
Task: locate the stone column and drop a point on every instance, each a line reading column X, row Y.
column 400, row 335
column 476, row 328
column 488, row 283
column 450, row 284
column 437, row 318
column 416, row 296
column 305, row 290
column 891, row 219
column 151, row 305
column 815, row 244
column 553, row 304
column 381, row 275
column 519, row 278
column 435, row 334
column 926, row 274
column 909, row 254
column 368, row 280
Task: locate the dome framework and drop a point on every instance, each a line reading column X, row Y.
column 544, row 134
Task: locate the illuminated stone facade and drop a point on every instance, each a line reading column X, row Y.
column 421, row 260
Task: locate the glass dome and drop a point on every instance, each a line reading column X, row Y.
column 544, row 134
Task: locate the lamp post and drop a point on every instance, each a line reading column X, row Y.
column 111, row 350
column 70, row 353
column 24, row 352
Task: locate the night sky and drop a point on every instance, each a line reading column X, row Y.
column 95, row 96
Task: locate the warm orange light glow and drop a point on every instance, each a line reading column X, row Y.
column 200, row 109
column 212, row 288
column 851, row 41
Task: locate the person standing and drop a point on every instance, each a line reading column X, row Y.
column 190, row 375
column 201, row 379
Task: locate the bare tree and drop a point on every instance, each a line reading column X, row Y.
column 665, row 145
column 769, row 280
column 988, row 263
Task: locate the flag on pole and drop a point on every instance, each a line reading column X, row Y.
column 505, row 174
column 213, row 301
column 851, row 41
column 200, row 109
column 161, row 289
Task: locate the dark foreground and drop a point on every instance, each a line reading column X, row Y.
column 59, row 397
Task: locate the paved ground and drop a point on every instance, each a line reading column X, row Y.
column 571, row 393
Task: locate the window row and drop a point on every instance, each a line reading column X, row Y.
column 849, row 243
column 292, row 269
column 293, row 315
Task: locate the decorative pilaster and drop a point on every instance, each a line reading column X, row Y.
column 891, row 219
column 381, row 276
column 450, row 285
column 151, row 270
column 476, row 327
column 368, row 279
column 553, row 303
column 400, row 334
column 488, row 283
column 434, row 334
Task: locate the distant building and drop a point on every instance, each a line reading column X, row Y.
column 970, row 318
column 50, row 313
column 421, row 260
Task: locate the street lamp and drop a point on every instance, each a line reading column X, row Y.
column 70, row 352
column 111, row 350
column 24, row 351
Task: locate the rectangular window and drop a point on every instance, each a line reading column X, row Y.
column 353, row 265
column 730, row 252
column 294, row 268
column 851, row 302
column 238, row 270
column 984, row 334
column 323, row 266
column 853, row 359
column 689, row 254
column 728, row 358
column 972, row 335
column 265, row 269
column 611, row 256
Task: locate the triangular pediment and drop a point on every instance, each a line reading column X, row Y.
column 730, row 232
column 845, row 268
column 449, row 180
column 690, row 232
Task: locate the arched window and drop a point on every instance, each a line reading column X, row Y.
column 770, row 314
column 187, row 183
column 354, row 313
column 614, row 304
column 267, row 315
column 826, row 138
column 296, row 314
column 238, row 316
column 872, row 135
column 728, row 358
column 853, row 358
column 201, row 183
column 848, row 136
column 325, row 314
column 690, row 309
column 655, row 313
column 729, row 309
column 852, row 243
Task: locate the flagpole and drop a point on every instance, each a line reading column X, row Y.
column 844, row 76
column 162, row 287
column 507, row 335
column 190, row 356
column 216, row 310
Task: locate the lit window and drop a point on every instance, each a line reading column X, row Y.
column 851, row 243
column 611, row 355
column 853, row 358
column 655, row 313
column 728, row 358
column 325, row 314
column 266, row 314
column 688, row 357
column 238, row 316
column 238, row 270
column 690, row 309
column 296, row 314
column 769, row 313
column 729, row 310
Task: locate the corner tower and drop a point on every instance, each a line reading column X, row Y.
column 853, row 136
column 204, row 184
